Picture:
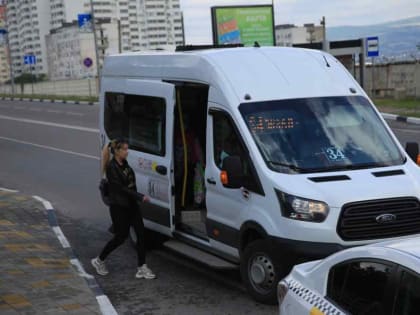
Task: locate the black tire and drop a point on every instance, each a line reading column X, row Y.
column 261, row 271
column 153, row 240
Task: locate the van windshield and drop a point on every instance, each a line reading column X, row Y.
column 320, row 134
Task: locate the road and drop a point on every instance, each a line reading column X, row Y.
column 52, row 150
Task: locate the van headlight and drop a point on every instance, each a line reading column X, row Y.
column 302, row 209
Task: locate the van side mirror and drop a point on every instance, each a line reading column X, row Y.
column 231, row 175
column 412, row 149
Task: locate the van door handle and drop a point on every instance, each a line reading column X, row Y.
column 161, row 169
column 211, row 181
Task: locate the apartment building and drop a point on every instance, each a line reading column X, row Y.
column 65, row 11
column 29, row 21
column 289, row 34
column 71, row 53
column 144, row 24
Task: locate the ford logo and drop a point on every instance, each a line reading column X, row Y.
column 386, row 218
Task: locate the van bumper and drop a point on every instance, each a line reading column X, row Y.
column 301, row 251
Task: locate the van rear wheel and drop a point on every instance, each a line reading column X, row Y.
column 261, row 271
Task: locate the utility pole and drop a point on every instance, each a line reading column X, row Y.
column 9, row 56
column 119, row 36
column 324, row 34
column 96, row 44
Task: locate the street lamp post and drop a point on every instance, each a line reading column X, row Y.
column 96, row 44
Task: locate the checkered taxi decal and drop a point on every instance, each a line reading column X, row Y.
column 313, row 299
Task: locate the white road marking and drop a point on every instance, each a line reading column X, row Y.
column 51, row 124
column 406, row 130
column 81, row 271
column 8, row 190
column 47, row 205
column 60, row 235
column 74, row 114
column 35, row 109
column 105, row 305
column 53, row 111
column 50, row 148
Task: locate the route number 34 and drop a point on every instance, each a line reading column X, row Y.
column 334, row 154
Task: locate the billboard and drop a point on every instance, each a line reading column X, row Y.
column 243, row 25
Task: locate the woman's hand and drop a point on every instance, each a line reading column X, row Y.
column 146, row 199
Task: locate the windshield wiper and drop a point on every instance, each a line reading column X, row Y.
column 290, row 166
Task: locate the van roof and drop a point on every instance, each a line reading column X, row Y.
column 265, row 73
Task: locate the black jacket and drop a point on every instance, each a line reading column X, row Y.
column 120, row 193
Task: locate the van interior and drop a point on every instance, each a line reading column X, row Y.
column 190, row 157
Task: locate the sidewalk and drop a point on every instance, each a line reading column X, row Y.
column 36, row 276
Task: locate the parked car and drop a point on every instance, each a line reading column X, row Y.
column 377, row 279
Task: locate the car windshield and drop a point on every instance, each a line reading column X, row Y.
column 320, row 134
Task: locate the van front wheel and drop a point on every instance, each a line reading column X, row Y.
column 261, row 271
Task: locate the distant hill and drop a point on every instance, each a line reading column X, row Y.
column 396, row 38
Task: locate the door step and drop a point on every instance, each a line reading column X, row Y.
column 199, row 255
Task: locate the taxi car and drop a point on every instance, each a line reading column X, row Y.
column 376, row 279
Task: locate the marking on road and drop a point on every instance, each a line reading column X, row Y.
column 105, row 305
column 60, row 235
column 50, row 148
column 76, row 263
column 53, row 111
column 9, row 190
column 74, row 114
column 406, row 130
column 51, row 124
column 47, row 205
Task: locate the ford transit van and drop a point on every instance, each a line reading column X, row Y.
column 258, row 158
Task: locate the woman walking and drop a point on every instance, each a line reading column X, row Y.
column 124, row 209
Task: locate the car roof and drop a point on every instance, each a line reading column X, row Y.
column 410, row 246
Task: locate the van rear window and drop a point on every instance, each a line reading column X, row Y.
column 139, row 119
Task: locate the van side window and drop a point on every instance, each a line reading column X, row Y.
column 139, row 119
column 359, row 287
column 226, row 142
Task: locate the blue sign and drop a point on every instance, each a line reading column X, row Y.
column 88, row 62
column 29, row 59
column 372, row 46
column 3, row 31
column 85, row 21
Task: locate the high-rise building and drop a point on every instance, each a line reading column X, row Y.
column 4, row 55
column 144, row 24
column 63, row 11
column 28, row 24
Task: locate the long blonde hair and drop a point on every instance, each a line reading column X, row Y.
column 109, row 150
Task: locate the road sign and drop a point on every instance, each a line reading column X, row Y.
column 85, row 21
column 88, row 62
column 29, row 59
column 372, row 46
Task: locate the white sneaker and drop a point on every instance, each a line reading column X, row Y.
column 144, row 272
column 100, row 266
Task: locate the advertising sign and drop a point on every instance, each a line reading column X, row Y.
column 243, row 25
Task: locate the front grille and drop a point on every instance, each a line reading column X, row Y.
column 358, row 220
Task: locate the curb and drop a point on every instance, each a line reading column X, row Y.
column 410, row 120
column 104, row 303
column 3, row 98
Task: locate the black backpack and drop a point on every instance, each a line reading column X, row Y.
column 104, row 189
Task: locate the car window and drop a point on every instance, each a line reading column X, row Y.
column 137, row 118
column 227, row 142
column 359, row 287
column 408, row 297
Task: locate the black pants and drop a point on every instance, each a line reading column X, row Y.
column 122, row 219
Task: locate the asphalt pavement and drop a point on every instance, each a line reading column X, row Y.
column 52, row 150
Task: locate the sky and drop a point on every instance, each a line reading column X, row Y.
column 337, row 13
